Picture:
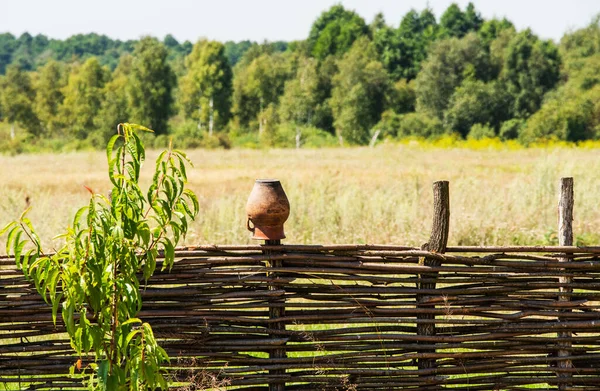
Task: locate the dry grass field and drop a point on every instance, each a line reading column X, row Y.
column 353, row 195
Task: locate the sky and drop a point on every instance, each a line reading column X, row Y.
column 259, row 20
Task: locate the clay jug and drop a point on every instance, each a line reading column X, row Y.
column 267, row 209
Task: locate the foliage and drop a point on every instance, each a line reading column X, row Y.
column 234, row 51
column 530, row 69
column 150, row 85
column 409, row 125
column 402, row 96
column 402, row 50
column 93, row 278
column 16, row 99
column 83, row 96
column 449, row 63
column 304, row 97
column 511, row 129
column 476, row 102
column 491, row 29
column 359, row 93
column 114, row 108
column 334, row 32
column 205, row 89
column 417, row 32
column 49, row 96
column 481, row 131
column 456, row 23
column 565, row 117
column 256, row 84
column 460, row 68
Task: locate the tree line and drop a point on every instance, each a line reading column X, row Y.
column 348, row 82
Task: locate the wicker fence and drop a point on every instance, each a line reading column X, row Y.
column 348, row 317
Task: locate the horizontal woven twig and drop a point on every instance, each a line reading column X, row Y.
column 350, row 318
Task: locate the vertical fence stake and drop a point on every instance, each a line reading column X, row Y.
column 565, row 238
column 438, row 241
column 276, row 312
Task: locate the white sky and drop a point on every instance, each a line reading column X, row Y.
column 258, row 20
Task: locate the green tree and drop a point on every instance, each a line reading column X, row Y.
column 449, row 63
column 476, row 102
column 114, row 108
column 580, row 51
column 409, row 125
column 7, row 47
column 531, row 68
column 334, row 32
column 582, row 43
column 256, row 84
column 568, row 118
column 49, row 96
column 16, row 99
column 235, row 51
column 305, row 97
column 359, row 94
column 417, row 31
column 491, row 29
column 456, row 23
column 150, row 86
column 205, row 90
column 83, row 97
column 402, row 97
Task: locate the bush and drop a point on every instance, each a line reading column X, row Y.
column 564, row 119
column 420, row 124
column 408, row 125
column 480, row 131
column 476, row 102
column 511, row 129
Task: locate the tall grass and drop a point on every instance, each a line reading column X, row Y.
column 500, row 194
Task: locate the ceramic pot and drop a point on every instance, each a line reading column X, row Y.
column 267, row 209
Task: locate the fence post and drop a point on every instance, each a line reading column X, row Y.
column 565, row 238
column 438, row 241
column 276, row 312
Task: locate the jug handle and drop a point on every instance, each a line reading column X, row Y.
column 251, row 229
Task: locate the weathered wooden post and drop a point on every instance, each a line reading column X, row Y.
column 267, row 209
column 438, row 241
column 276, row 311
column 565, row 238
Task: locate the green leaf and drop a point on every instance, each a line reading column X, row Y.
column 7, row 227
column 140, row 127
column 192, row 197
column 183, row 155
column 109, row 148
column 10, row 237
column 182, row 168
column 78, row 216
column 103, row 374
column 19, row 245
column 130, row 321
column 131, row 335
column 149, row 265
column 55, row 304
column 169, row 253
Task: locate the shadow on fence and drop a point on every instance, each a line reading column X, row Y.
column 349, row 317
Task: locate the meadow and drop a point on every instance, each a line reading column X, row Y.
column 500, row 194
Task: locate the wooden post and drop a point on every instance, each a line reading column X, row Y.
column 565, row 238
column 438, row 241
column 276, row 312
